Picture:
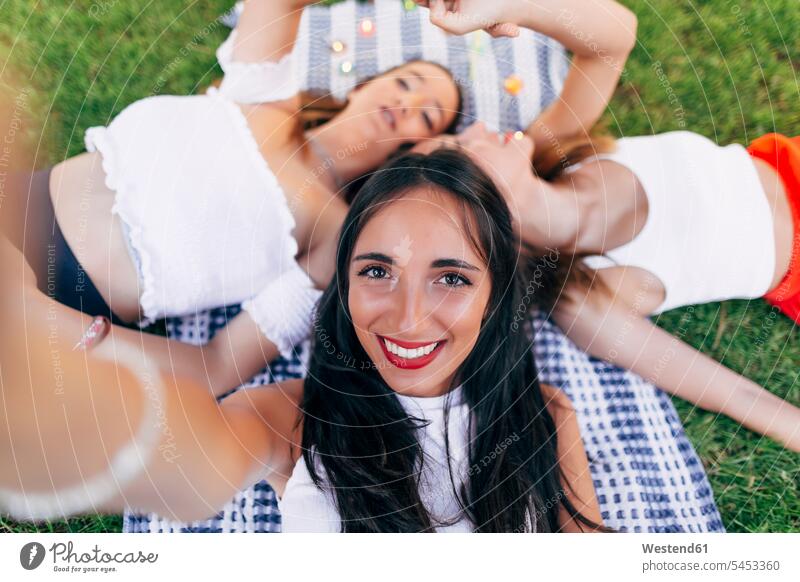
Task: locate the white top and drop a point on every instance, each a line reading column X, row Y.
column 709, row 234
column 306, row 508
column 207, row 221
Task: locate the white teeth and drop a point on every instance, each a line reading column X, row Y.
column 409, row 354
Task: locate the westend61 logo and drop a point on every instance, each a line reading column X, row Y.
column 65, row 559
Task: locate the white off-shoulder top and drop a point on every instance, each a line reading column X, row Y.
column 207, row 220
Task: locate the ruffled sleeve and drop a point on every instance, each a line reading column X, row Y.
column 259, row 82
column 284, row 311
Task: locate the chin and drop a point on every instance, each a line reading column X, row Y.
column 424, row 382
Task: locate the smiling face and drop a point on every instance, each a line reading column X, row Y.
column 418, row 291
column 407, row 104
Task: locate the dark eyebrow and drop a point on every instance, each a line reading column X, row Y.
column 454, row 263
column 437, row 264
column 375, row 257
column 436, row 101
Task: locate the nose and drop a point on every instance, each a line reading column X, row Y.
column 411, row 313
column 410, row 102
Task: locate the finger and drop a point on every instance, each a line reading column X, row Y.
column 448, row 20
column 503, row 29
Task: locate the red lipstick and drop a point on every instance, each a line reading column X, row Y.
column 410, row 363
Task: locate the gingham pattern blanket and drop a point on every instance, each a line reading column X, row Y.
column 647, row 475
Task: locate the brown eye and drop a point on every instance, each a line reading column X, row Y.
column 373, row 272
column 403, row 84
column 454, row 280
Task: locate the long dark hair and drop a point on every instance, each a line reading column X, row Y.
column 358, row 442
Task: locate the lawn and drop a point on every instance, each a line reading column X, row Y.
column 723, row 68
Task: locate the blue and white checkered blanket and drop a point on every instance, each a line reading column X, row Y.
column 647, row 475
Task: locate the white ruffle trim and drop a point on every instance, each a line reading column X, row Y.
column 96, row 139
column 257, row 82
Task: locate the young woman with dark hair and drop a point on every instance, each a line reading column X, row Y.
column 422, row 410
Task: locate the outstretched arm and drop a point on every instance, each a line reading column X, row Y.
column 235, row 354
column 606, row 329
column 252, row 58
column 68, row 414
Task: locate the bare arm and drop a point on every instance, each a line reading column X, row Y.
column 606, row 329
column 267, row 29
column 68, row 412
column 235, row 354
column 600, row 34
column 573, row 463
column 265, row 33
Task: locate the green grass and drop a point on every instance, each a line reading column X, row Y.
column 727, row 70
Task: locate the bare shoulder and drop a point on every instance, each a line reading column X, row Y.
column 277, row 407
column 272, row 124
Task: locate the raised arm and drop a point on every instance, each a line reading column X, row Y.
column 612, row 331
column 267, row 29
column 599, row 33
column 255, row 58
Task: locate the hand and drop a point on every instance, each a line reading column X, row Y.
column 463, row 16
